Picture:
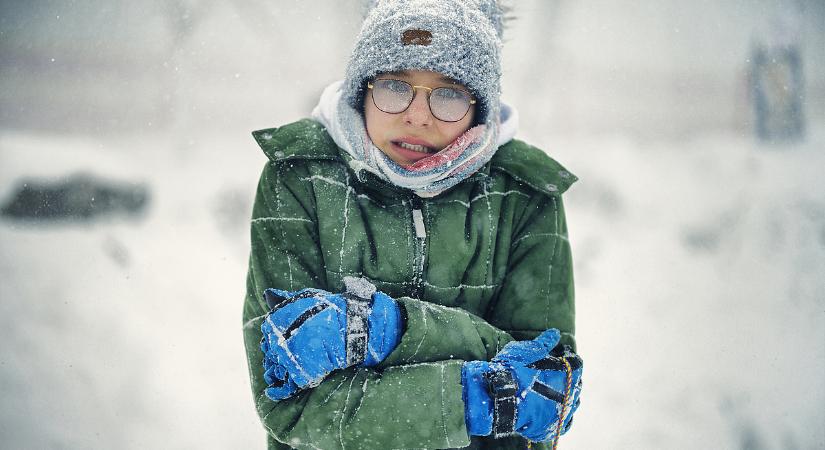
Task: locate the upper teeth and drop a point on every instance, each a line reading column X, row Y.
column 413, row 147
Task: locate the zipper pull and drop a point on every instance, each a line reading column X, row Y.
column 418, row 221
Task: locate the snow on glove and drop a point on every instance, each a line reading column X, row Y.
column 523, row 389
column 311, row 332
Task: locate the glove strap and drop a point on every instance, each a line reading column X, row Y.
column 567, row 393
column 358, row 311
column 563, row 411
column 503, row 390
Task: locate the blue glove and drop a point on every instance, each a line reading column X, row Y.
column 279, row 384
column 522, row 390
column 311, row 332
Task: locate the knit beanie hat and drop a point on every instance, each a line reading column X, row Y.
column 457, row 38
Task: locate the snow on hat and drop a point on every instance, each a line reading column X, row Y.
column 457, row 38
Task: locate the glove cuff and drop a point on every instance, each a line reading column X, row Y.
column 385, row 329
column 374, row 323
column 503, row 388
column 478, row 406
column 358, row 311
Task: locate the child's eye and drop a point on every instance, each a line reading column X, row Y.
column 450, row 93
column 396, row 86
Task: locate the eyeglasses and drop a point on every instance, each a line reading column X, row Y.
column 395, row 96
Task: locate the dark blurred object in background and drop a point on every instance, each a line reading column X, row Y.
column 776, row 81
column 79, row 197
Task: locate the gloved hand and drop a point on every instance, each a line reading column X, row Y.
column 523, row 389
column 279, row 384
column 311, row 332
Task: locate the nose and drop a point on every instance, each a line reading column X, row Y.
column 418, row 113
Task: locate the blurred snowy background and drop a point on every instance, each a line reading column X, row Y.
column 698, row 226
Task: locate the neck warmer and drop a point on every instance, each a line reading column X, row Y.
column 427, row 177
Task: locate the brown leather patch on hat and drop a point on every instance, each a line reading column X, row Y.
column 416, row 37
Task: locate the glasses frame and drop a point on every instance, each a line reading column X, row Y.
column 429, row 93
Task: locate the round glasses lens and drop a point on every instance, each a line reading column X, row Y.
column 391, row 96
column 449, row 105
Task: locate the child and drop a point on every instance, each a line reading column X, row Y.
column 400, row 239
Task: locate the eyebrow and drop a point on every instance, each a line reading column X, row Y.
column 442, row 78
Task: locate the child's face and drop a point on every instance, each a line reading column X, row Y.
column 414, row 133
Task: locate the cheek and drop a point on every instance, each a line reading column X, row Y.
column 371, row 120
column 454, row 130
column 464, row 124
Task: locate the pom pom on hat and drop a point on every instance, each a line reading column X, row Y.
column 495, row 14
column 457, row 38
column 491, row 8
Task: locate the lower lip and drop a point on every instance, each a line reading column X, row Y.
column 410, row 155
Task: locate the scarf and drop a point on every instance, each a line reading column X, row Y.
column 427, row 177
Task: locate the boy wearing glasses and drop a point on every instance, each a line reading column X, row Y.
column 410, row 280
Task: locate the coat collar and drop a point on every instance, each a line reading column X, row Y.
column 307, row 139
column 533, row 167
column 304, row 139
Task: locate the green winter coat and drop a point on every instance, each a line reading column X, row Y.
column 490, row 262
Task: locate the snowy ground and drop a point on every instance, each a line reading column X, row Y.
column 125, row 334
column 700, row 297
column 700, row 293
column 699, row 253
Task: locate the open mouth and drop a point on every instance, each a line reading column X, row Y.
column 414, row 147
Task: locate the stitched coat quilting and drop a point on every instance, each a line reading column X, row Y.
column 493, row 265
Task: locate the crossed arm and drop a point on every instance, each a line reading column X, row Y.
column 415, row 393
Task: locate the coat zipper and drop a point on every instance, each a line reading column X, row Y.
column 420, row 247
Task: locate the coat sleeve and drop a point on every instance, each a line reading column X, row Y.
column 537, row 292
column 412, row 400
